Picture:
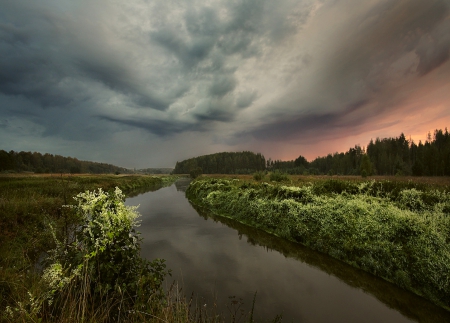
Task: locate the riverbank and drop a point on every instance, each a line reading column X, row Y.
column 395, row 230
column 29, row 204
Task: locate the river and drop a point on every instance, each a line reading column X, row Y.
column 219, row 259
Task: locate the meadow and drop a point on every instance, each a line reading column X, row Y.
column 395, row 228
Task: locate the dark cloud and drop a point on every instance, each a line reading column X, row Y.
column 12, row 35
column 269, row 70
column 158, row 127
column 301, row 128
column 118, row 78
column 222, row 84
column 245, row 99
column 434, row 48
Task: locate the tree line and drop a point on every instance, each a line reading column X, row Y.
column 47, row 163
column 245, row 162
column 387, row 156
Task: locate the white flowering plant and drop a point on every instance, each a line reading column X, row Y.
column 104, row 261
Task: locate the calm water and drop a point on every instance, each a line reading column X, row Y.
column 217, row 258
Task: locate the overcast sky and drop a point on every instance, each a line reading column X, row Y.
column 146, row 83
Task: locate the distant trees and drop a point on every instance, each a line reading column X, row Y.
column 47, row 163
column 245, row 162
column 399, row 156
column 366, row 166
column 388, row 156
column 195, row 172
column 391, row 156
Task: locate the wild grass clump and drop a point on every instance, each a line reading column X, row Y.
column 277, row 176
column 259, row 176
column 396, row 231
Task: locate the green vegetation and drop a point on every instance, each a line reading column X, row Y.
column 399, row 231
column 29, row 207
column 259, row 176
column 48, row 163
column 82, row 263
column 195, row 172
column 277, row 176
column 154, row 170
column 100, row 268
column 396, row 298
column 223, row 163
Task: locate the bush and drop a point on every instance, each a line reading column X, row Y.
column 277, row 176
column 102, row 267
column 195, row 172
column 258, row 176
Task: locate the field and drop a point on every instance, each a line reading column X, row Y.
column 396, row 228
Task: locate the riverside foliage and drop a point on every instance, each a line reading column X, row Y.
column 398, row 231
column 102, row 266
column 28, row 205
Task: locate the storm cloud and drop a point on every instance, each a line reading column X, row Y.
column 106, row 79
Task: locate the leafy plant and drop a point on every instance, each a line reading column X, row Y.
column 258, row 176
column 102, row 265
column 278, row 176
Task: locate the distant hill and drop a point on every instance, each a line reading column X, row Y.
column 245, row 162
column 37, row 163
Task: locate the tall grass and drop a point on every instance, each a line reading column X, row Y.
column 27, row 206
column 398, row 231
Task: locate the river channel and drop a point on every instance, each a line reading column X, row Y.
column 218, row 259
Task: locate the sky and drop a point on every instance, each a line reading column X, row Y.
column 142, row 83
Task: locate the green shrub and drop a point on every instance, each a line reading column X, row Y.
column 102, row 266
column 258, row 176
column 278, row 176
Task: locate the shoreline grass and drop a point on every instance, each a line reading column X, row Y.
column 397, row 230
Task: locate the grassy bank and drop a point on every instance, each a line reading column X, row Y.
column 399, row 231
column 28, row 205
column 95, row 272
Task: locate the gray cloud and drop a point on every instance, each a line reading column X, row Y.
column 392, row 44
column 222, row 84
column 297, row 71
column 157, row 127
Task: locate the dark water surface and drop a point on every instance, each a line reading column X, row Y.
column 218, row 258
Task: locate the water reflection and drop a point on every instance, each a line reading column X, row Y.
column 182, row 184
column 142, row 190
column 409, row 304
column 210, row 258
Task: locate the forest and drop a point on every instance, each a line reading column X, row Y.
column 245, row 162
column 37, row 163
column 387, row 156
